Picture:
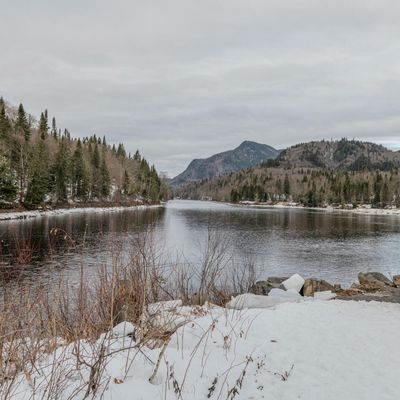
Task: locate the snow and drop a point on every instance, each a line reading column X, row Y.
column 299, row 350
column 62, row 211
column 122, row 329
column 249, row 300
column 295, row 282
column 325, row 295
column 365, row 209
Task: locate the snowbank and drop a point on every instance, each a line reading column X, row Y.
column 309, row 350
column 362, row 209
column 62, row 211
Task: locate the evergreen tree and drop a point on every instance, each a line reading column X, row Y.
column 43, row 127
column 62, row 171
column 5, row 124
column 286, row 185
column 96, row 176
column 312, row 200
column 22, row 125
column 137, row 156
column 385, row 194
column 38, row 179
column 121, row 153
column 54, row 128
column 126, row 184
column 80, row 181
column 105, row 178
column 377, row 190
column 8, row 187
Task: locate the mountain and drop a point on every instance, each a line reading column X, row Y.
column 247, row 155
column 343, row 173
column 352, row 155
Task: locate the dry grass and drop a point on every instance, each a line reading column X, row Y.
column 35, row 319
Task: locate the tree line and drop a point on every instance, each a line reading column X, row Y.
column 41, row 164
column 312, row 187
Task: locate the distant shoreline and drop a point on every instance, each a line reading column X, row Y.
column 363, row 209
column 8, row 215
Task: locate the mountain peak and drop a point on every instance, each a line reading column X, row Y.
column 246, row 155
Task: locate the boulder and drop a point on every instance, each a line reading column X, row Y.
column 325, row 295
column 290, row 294
column 295, row 282
column 396, row 280
column 374, row 281
column 316, row 285
column 264, row 287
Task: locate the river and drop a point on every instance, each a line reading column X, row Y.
column 331, row 245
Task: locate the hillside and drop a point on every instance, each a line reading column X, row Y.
column 42, row 165
column 248, row 154
column 314, row 174
column 346, row 154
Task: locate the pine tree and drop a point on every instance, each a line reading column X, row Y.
column 5, row 124
column 377, row 190
column 385, row 194
column 62, row 171
column 8, row 187
column 121, row 153
column 105, row 178
column 43, row 127
column 22, row 125
column 96, row 175
column 126, row 184
column 38, row 179
column 54, row 129
column 80, row 181
column 137, row 156
column 286, row 185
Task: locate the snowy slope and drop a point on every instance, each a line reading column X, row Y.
column 314, row 350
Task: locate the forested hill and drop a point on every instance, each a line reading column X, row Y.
column 43, row 165
column 351, row 155
column 247, row 154
column 315, row 174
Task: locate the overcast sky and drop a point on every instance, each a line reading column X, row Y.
column 183, row 79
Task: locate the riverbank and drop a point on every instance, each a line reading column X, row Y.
column 6, row 215
column 311, row 350
column 362, row 209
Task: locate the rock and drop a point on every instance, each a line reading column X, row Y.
column 249, row 300
column 295, row 282
column 264, row 287
column 350, row 292
column 396, row 280
column 374, row 280
column 290, row 294
column 315, row 285
column 324, row 295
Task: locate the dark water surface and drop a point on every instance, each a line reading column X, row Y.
column 330, row 245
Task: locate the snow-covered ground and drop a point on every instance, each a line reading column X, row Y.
column 61, row 211
column 364, row 209
column 313, row 350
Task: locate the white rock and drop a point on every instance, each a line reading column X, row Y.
column 326, row 295
column 249, row 300
column 122, row 329
column 295, row 282
column 163, row 306
column 290, row 294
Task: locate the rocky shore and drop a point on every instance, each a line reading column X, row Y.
column 371, row 286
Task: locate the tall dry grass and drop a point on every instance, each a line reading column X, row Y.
column 36, row 319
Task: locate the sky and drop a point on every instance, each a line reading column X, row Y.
column 184, row 79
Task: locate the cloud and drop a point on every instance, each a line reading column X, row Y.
column 184, row 79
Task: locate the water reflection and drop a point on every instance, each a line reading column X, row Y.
column 334, row 246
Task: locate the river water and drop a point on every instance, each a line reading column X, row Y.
column 331, row 245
